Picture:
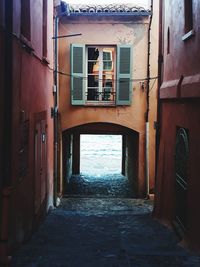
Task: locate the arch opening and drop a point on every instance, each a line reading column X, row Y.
column 109, row 153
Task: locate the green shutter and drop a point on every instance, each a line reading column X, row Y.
column 77, row 74
column 124, row 71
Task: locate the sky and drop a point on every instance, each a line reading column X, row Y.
column 143, row 3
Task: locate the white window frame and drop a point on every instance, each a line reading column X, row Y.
column 122, row 76
column 100, row 87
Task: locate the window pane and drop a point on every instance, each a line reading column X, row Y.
column 25, row 19
column 107, row 55
column 107, row 65
column 93, row 94
column 188, row 15
column 93, row 67
column 108, row 94
column 108, row 80
column 108, row 84
column 93, row 81
column 100, row 71
column 93, row 53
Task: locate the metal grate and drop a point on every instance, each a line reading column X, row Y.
column 94, row 95
column 181, row 170
column 182, row 154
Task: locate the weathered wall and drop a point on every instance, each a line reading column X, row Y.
column 186, row 115
column 131, row 162
column 131, row 116
column 153, row 90
column 110, row 33
column 183, row 58
column 31, row 87
column 179, row 107
column 1, row 98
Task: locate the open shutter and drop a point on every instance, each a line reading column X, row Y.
column 124, row 71
column 77, row 74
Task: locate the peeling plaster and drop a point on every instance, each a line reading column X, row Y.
column 133, row 36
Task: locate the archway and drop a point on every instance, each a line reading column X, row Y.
column 71, row 148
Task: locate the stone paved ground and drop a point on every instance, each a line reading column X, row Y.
column 103, row 232
column 112, row 185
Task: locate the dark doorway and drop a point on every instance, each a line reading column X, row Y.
column 40, row 160
column 181, row 169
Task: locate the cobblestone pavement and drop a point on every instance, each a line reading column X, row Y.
column 112, row 185
column 103, row 232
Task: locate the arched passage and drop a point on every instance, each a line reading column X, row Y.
column 130, row 150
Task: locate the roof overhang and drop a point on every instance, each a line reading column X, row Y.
column 96, row 12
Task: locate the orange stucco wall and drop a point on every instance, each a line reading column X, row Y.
column 94, row 33
column 153, row 91
column 112, row 32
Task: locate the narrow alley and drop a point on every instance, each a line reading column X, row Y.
column 94, row 228
column 99, row 158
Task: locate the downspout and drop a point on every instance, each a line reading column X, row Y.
column 160, row 74
column 64, row 11
column 55, row 110
column 147, row 110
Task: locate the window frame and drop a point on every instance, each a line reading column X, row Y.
column 123, row 74
column 188, row 20
column 100, row 87
column 44, row 29
column 25, row 20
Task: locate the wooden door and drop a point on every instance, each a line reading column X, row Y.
column 40, row 163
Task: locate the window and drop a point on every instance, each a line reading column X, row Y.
column 44, row 28
column 25, row 19
column 168, row 41
column 100, row 75
column 188, row 15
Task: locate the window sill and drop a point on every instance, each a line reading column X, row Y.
column 188, row 35
column 100, row 104
column 45, row 60
column 26, row 43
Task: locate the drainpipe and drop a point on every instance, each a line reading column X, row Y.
column 147, row 110
column 64, row 12
column 55, row 109
column 160, row 77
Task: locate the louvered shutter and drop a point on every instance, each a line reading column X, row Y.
column 77, row 74
column 124, row 71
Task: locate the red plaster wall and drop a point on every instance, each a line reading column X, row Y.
column 184, row 56
column 1, row 98
column 32, row 82
column 179, row 106
column 31, row 95
column 186, row 115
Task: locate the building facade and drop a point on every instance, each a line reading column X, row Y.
column 178, row 167
column 26, row 81
column 103, row 85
